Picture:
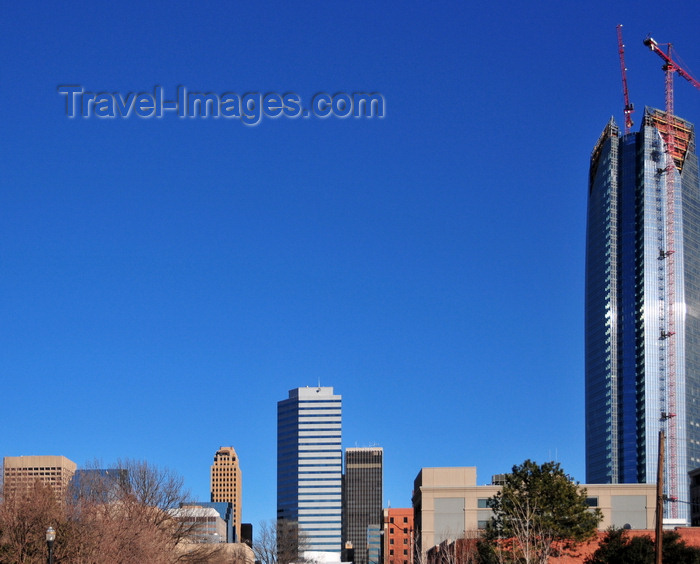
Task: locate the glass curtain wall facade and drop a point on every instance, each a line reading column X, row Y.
column 362, row 502
column 309, row 466
column 627, row 353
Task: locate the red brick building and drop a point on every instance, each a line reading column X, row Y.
column 463, row 551
column 398, row 536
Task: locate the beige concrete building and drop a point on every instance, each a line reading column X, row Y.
column 20, row 473
column 236, row 552
column 449, row 505
column 226, row 483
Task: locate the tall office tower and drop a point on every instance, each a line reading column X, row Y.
column 642, row 316
column 362, row 502
column 226, row 484
column 20, row 473
column 309, row 466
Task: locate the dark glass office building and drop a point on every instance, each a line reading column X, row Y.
column 310, row 466
column 630, row 358
column 362, row 503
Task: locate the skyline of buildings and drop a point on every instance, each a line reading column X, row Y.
column 362, row 502
column 642, row 306
column 447, row 503
column 310, row 465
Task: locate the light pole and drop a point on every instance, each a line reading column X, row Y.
column 50, row 537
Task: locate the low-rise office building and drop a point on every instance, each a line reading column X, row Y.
column 448, row 504
column 21, row 472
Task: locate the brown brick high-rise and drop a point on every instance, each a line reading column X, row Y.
column 226, row 483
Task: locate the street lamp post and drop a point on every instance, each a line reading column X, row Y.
column 50, row 537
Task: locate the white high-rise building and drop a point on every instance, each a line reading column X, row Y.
column 309, row 466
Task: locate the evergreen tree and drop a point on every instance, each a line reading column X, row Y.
column 539, row 512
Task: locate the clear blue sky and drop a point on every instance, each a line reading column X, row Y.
column 166, row 281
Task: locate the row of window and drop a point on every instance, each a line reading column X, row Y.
column 20, row 472
column 31, row 479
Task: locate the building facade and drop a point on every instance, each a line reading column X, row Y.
column 309, row 466
column 226, row 485
column 225, row 511
column 21, row 472
column 105, row 484
column 695, row 497
column 448, row 505
column 362, row 502
column 204, row 524
column 398, row 535
column 642, row 312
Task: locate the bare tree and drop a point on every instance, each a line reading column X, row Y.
column 279, row 542
column 216, row 554
column 122, row 516
column 265, row 543
column 24, row 518
column 108, row 517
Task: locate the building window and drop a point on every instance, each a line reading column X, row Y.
column 592, row 501
column 482, row 503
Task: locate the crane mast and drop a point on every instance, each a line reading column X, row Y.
column 667, row 315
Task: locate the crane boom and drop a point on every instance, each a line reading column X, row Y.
column 629, row 108
column 673, row 66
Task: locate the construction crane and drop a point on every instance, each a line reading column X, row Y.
column 672, row 125
column 629, row 107
column 671, row 66
column 669, row 126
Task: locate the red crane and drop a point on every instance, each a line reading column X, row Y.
column 670, row 128
column 629, row 107
column 671, row 66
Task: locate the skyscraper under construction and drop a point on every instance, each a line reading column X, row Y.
column 642, row 313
